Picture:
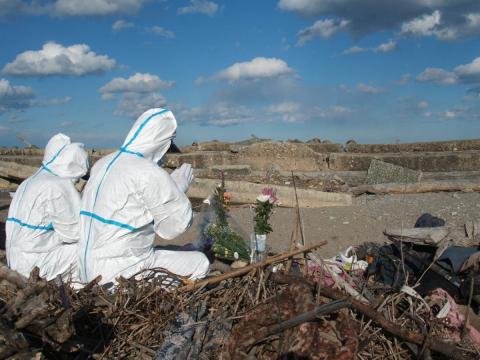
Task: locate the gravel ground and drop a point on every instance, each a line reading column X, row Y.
column 363, row 221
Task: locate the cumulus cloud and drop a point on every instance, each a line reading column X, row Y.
column 257, row 68
column 465, row 74
column 137, row 83
column 133, row 105
column 321, row 28
column 469, row 73
column 424, row 25
column 160, row 31
column 437, row 76
column 55, row 59
column 368, row 89
column 441, row 18
column 204, row 7
column 120, row 25
column 14, row 97
column 137, row 93
column 96, row 7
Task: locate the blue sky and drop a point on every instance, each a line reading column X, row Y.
column 373, row 71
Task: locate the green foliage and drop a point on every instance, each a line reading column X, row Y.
column 227, row 244
column 263, row 210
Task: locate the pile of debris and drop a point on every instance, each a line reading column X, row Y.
column 318, row 309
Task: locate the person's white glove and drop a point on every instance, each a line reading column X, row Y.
column 183, row 177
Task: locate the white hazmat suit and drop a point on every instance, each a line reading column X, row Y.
column 128, row 199
column 42, row 227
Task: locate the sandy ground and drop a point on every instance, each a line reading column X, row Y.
column 364, row 221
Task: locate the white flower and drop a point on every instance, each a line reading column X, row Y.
column 263, row 198
column 235, row 255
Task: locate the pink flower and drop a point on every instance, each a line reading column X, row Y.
column 271, row 193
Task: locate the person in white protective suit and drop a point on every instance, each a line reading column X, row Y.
column 128, row 199
column 42, row 228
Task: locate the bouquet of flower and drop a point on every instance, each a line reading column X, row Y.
column 265, row 204
column 227, row 244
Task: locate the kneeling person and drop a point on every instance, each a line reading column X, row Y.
column 43, row 219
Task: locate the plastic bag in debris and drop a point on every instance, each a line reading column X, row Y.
column 348, row 259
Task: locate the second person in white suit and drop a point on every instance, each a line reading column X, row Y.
column 128, row 199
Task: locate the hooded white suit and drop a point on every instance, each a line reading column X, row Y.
column 128, row 199
column 43, row 219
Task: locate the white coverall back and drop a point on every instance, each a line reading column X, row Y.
column 42, row 227
column 128, row 199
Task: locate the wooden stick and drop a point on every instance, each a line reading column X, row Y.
column 318, row 311
column 247, row 269
column 299, row 218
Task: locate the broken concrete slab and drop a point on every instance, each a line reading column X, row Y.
column 284, row 155
column 246, row 192
column 231, row 169
column 457, row 145
column 432, row 161
column 14, row 171
column 381, row 172
column 199, row 160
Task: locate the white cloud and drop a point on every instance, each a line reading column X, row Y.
column 96, row 7
column 368, row 89
column 160, row 31
column 257, row 68
column 321, row 28
column 55, row 59
column 133, row 105
column 120, row 25
column 354, row 50
column 204, row 7
column 469, row 73
column 386, row 47
column 137, row 83
column 437, row 76
column 422, row 26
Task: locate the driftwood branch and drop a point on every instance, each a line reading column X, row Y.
column 247, row 269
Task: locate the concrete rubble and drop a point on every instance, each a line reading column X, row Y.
column 316, row 165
